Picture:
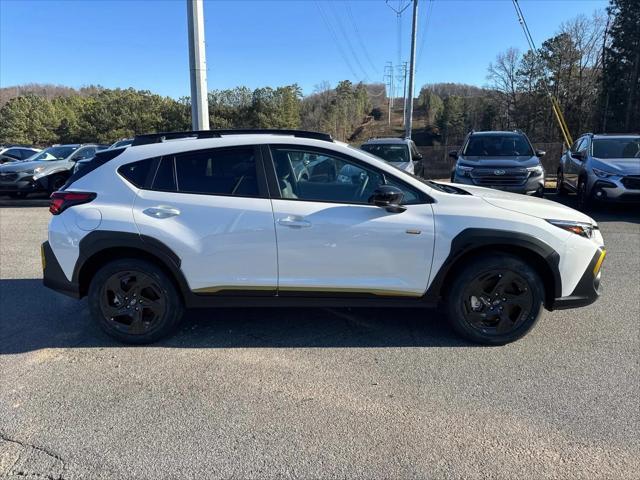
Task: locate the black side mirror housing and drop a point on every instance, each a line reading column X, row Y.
column 389, row 198
column 578, row 155
column 540, row 153
column 417, row 156
column 453, row 154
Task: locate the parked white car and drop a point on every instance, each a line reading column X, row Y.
column 220, row 218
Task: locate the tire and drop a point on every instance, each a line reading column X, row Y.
column 56, row 182
column 495, row 300
column 539, row 193
column 561, row 190
column 122, row 286
column 584, row 197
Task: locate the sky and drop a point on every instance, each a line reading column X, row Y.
column 255, row 43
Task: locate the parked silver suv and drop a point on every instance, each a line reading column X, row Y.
column 601, row 167
column 46, row 172
column 500, row 160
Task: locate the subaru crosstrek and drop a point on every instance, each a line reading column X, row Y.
column 602, row 168
column 220, row 218
column 45, row 172
column 501, row 160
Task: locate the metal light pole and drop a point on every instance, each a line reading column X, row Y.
column 197, row 66
column 412, row 69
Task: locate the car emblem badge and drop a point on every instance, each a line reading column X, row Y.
column 499, row 172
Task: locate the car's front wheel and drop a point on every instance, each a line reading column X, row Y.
column 561, row 190
column 495, row 300
column 584, row 197
column 134, row 301
column 56, row 182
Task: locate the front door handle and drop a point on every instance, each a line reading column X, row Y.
column 161, row 211
column 293, row 222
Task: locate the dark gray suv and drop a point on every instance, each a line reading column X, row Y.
column 601, row 167
column 501, row 160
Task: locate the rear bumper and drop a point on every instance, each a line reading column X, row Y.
column 588, row 289
column 52, row 275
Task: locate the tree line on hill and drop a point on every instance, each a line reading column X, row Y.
column 591, row 66
column 44, row 115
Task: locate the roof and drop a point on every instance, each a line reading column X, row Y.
column 497, row 132
column 615, row 135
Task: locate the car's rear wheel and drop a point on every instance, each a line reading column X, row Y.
column 561, row 190
column 134, row 301
column 495, row 300
column 56, row 183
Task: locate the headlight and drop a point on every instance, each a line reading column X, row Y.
column 463, row 170
column 602, row 173
column 579, row 228
column 38, row 170
column 535, row 171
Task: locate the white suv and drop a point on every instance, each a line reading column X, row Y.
column 220, row 218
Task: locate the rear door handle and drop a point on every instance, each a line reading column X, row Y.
column 293, row 222
column 161, row 211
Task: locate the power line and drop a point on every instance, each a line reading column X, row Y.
column 428, row 11
column 359, row 38
column 332, row 33
column 348, row 40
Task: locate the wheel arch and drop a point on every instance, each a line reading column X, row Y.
column 472, row 243
column 99, row 248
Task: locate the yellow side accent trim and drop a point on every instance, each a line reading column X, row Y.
column 44, row 262
column 596, row 269
column 381, row 292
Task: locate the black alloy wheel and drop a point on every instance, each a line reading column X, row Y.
column 135, row 301
column 561, row 190
column 56, row 183
column 132, row 302
column 584, row 199
column 495, row 299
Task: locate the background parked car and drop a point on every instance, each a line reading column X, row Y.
column 399, row 152
column 12, row 154
column 45, row 172
column 125, row 142
column 501, row 160
column 601, row 167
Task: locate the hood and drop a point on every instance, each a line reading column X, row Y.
column 533, row 206
column 500, row 162
column 621, row 166
column 15, row 167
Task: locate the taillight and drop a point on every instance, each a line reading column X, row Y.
column 60, row 201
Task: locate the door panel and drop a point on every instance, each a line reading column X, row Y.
column 336, row 247
column 224, row 243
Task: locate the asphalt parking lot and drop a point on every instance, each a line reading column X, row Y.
column 317, row 393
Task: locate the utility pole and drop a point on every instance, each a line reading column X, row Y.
column 408, row 124
column 404, row 94
column 197, row 65
column 388, row 78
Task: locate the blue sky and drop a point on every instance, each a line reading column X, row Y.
column 143, row 43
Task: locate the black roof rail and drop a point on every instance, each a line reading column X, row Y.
column 151, row 138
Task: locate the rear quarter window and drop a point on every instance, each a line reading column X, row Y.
column 136, row 172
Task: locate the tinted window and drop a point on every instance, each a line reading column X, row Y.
column 327, row 178
column 84, row 153
column 218, row 172
column 136, row 172
column 616, row 147
column 165, row 178
column 498, row 146
column 55, row 153
column 390, row 152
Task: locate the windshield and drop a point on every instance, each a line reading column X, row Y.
column 497, row 146
column 54, row 153
column 389, row 152
column 122, row 143
column 616, row 147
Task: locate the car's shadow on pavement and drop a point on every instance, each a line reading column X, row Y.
column 33, row 317
column 603, row 212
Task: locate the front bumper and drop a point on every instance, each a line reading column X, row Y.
column 613, row 189
column 18, row 182
column 52, row 275
column 530, row 186
column 588, row 289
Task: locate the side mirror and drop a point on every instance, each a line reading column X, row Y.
column 578, row 155
column 540, row 153
column 389, row 198
column 453, row 154
column 417, row 156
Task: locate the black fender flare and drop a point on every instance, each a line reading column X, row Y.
column 472, row 239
